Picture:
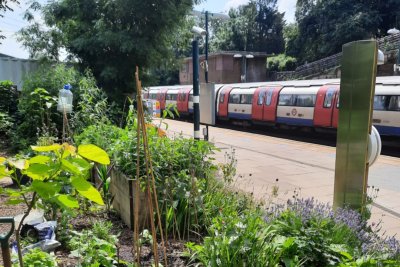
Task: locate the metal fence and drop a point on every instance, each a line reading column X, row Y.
column 15, row 69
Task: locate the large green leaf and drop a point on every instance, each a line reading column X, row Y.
column 54, row 147
column 46, row 189
column 4, row 172
column 39, row 159
column 67, row 201
column 68, row 166
column 19, row 164
column 87, row 190
column 82, row 164
column 94, row 153
column 38, row 171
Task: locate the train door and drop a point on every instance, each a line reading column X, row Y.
column 271, row 103
column 335, row 120
column 324, row 106
column 223, row 102
column 161, row 97
column 183, row 98
column 258, row 104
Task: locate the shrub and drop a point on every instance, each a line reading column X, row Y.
column 8, row 98
column 38, row 258
column 281, row 63
column 38, row 116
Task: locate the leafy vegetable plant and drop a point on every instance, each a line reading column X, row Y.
column 58, row 175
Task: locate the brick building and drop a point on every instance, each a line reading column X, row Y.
column 227, row 67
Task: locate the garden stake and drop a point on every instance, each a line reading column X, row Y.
column 149, row 172
column 5, row 247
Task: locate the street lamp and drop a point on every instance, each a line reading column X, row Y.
column 207, row 16
column 394, row 31
column 244, row 57
column 198, row 33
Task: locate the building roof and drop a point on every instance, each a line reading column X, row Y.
column 232, row 53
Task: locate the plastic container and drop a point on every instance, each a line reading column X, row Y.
column 65, row 99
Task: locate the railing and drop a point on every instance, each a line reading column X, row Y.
column 386, row 44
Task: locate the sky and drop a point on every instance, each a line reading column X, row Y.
column 13, row 21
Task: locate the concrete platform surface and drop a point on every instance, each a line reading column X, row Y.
column 304, row 169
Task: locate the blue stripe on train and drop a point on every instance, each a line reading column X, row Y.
column 239, row 116
column 294, row 121
column 388, row 130
column 190, row 110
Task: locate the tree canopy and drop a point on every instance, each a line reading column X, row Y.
column 324, row 26
column 256, row 26
column 110, row 37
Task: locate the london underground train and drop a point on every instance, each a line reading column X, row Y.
column 304, row 103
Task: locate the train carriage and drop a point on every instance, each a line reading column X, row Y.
column 386, row 116
column 296, row 106
column 313, row 103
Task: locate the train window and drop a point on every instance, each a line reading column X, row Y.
column 234, row 98
column 338, row 98
column 246, row 99
column 222, row 97
column 329, row 98
column 381, row 102
column 305, row 100
column 394, row 103
column 286, row 100
column 261, row 97
column 268, row 99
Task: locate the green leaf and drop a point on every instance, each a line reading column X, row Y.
column 67, row 201
column 2, row 159
column 94, row 153
column 54, row 147
column 82, row 164
column 87, row 190
column 68, row 166
column 39, row 159
column 19, row 164
column 14, row 201
column 38, row 171
column 4, row 172
column 46, row 189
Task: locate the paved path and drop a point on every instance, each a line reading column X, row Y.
column 301, row 168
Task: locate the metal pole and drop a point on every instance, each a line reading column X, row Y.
column 206, row 50
column 196, row 97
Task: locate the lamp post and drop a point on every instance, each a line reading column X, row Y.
column 394, row 31
column 198, row 33
column 215, row 16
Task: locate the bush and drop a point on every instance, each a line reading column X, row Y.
column 38, row 116
column 38, row 258
column 281, row 63
column 8, row 98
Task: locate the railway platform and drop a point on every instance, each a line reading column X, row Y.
column 307, row 170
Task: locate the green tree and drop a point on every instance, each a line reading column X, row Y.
column 324, row 26
column 257, row 26
column 111, row 37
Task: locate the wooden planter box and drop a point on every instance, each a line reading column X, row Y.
column 123, row 190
